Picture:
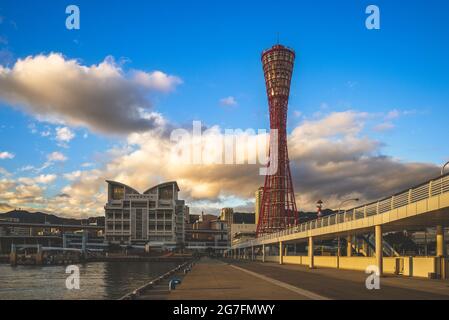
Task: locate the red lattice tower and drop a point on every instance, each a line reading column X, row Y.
column 278, row 208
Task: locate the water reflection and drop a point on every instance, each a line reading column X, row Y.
column 100, row 280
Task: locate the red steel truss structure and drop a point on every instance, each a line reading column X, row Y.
column 278, row 207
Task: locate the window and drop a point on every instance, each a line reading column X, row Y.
column 118, row 193
column 139, row 204
column 126, row 215
column 166, row 193
column 109, row 214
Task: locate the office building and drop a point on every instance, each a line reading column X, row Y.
column 155, row 217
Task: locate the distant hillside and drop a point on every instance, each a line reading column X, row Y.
column 40, row 217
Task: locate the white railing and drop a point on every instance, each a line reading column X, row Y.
column 424, row 191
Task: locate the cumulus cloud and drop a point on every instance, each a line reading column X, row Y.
column 64, row 134
column 73, row 175
column 331, row 159
column 56, row 157
column 156, row 80
column 41, row 179
column 6, row 155
column 15, row 193
column 341, row 162
column 228, row 101
column 102, row 97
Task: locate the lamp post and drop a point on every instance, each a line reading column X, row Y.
column 345, row 201
column 443, row 167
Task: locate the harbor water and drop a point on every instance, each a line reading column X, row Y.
column 98, row 280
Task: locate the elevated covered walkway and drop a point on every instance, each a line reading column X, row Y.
column 425, row 205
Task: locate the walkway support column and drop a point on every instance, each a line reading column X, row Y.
column 338, row 252
column 252, row 253
column 281, row 253
column 349, row 247
column 379, row 249
column 263, row 253
column 311, row 262
column 441, row 252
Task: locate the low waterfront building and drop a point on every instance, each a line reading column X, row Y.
column 207, row 232
column 227, row 214
column 242, row 227
column 155, row 217
column 14, row 231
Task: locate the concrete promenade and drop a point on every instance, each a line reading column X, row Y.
column 244, row 280
column 218, row 280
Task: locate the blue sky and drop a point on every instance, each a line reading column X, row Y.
column 399, row 74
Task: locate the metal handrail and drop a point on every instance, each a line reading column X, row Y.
column 423, row 191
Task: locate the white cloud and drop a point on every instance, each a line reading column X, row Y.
column 41, row 179
column 87, row 164
column 73, row 175
column 26, row 168
column 46, row 178
column 56, row 157
column 4, row 172
column 228, row 101
column 102, row 97
column 6, row 155
column 156, row 80
column 64, row 135
column 331, row 159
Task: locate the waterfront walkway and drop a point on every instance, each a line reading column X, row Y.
column 226, row 280
column 218, row 280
